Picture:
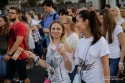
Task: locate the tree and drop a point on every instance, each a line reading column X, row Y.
column 30, row 3
column 3, row 3
column 60, row 1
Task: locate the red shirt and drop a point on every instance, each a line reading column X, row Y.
column 18, row 29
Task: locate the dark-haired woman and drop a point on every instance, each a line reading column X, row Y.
column 115, row 37
column 4, row 28
column 92, row 50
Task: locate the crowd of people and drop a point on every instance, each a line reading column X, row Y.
column 74, row 46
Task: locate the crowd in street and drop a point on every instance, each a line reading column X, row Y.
column 81, row 45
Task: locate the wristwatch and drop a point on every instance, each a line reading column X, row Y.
column 36, row 59
column 66, row 59
column 9, row 54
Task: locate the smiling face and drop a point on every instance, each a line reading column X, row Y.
column 56, row 31
column 80, row 24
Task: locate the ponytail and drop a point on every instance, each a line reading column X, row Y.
column 94, row 24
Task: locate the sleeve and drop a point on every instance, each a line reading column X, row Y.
column 70, row 57
column 33, row 23
column 57, row 17
column 75, row 41
column 21, row 30
column 103, row 47
column 118, row 29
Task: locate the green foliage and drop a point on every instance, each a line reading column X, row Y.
column 60, row 1
column 3, row 3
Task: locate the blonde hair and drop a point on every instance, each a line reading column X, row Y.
column 72, row 24
column 118, row 14
column 63, row 36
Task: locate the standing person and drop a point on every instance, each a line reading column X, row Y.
column 51, row 15
column 4, row 29
column 71, row 11
column 59, row 60
column 17, row 38
column 115, row 37
column 72, row 38
column 92, row 50
column 117, row 15
column 122, row 10
column 35, row 17
column 62, row 14
column 35, row 33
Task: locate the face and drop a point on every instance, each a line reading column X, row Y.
column 62, row 16
column 66, row 24
column 13, row 15
column 113, row 11
column 2, row 22
column 69, row 12
column 80, row 24
column 47, row 9
column 56, row 31
column 101, row 19
column 91, row 8
column 122, row 12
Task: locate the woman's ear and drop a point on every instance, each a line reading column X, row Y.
column 86, row 22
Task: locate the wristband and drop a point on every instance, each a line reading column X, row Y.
column 121, row 63
column 9, row 54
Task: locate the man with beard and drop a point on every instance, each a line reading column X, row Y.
column 17, row 38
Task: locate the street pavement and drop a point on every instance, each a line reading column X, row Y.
column 36, row 75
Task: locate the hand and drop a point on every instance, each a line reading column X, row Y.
column 46, row 30
column 61, row 50
column 30, row 54
column 121, row 67
column 6, row 58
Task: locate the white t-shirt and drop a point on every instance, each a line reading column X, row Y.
column 120, row 21
column 93, row 73
column 33, row 22
column 114, row 47
column 72, row 40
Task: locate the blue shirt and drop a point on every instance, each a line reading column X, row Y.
column 49, row 19
column 47, row 22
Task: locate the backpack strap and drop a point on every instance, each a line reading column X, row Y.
column 54, row 16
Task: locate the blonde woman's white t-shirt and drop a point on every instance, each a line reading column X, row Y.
column 94, row 71
column 72, row 40
column 114, row 47
column 120, row 21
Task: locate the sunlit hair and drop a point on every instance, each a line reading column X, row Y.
column 63, row 36
column 118, row 14
column 72, row 24
column 7, row 26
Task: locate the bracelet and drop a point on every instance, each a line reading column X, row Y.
column 121, row 63
column 36, row 59
column 66, row 59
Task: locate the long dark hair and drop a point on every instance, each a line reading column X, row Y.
column 109, row 24
column 7, row 26
column 94, row 24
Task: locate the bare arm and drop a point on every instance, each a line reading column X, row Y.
column 15, row 46
column 28, row 31
column 105, row 64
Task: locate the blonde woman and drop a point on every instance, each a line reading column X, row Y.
column 59, row 60
column 117, row 15
column 71, row 37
